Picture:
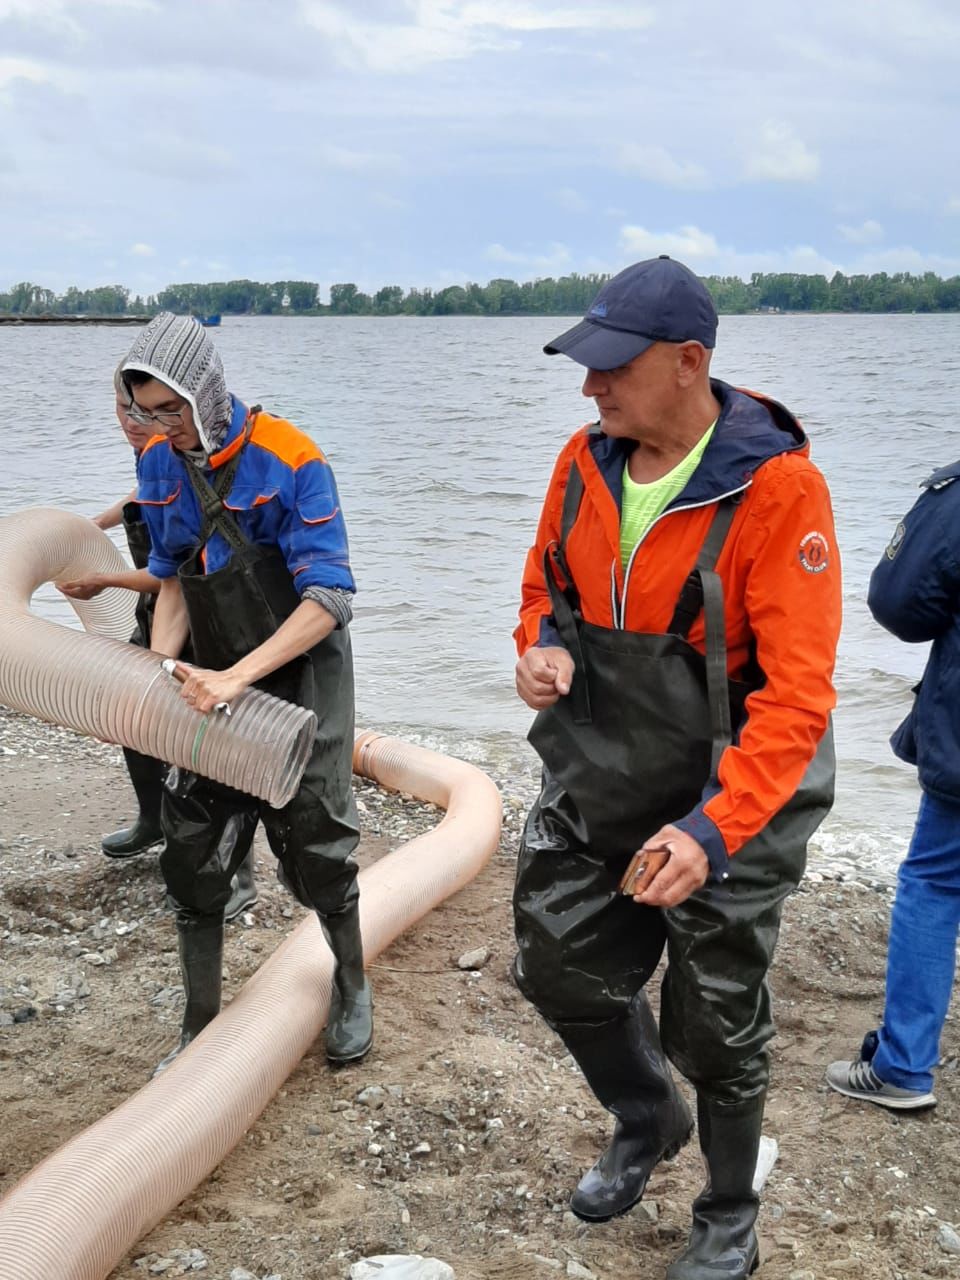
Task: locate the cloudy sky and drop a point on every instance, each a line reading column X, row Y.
column 429, row 142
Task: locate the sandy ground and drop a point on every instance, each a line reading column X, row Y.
column 480, row 1124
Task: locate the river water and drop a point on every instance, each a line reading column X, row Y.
column 442, row 433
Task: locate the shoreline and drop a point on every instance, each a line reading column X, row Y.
column 479, row 1124
column 14, row 320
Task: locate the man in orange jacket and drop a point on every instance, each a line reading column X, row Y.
column 678, row 629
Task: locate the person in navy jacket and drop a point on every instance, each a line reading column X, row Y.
column 915, row 594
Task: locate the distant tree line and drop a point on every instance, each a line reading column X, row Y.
column 570, row 295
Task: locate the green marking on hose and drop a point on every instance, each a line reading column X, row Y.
column 195, row 753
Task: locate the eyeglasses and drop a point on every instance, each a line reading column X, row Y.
column 163, row 418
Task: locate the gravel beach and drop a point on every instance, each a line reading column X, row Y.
column 463, row 1132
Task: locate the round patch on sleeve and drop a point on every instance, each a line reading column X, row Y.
column 893, row 546
column 814, row 552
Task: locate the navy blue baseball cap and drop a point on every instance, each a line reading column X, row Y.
column 658, row 300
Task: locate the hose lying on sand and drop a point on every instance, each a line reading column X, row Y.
column 79, row 1211
column 117, row 692
column 84, row 1206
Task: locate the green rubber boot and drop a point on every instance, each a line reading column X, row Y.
column 723, row 1242
column 201, row 964
column 349, row 1032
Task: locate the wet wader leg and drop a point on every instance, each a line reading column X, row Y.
column 208, row 832
column 625, row 1067
column 584, row 950
column 716, row 1020
column 723, row 1242
column 584, row 953
column 146, row 777
column 349, row 1032
column 200, row 941
column 146, row 774
column 243, row 886
column 315, row 838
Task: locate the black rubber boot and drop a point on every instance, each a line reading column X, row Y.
column 201, row 964
column 723, row 1242
column 146, row 774
column 243, row 889
column 625, row 1067
column 350, row 1022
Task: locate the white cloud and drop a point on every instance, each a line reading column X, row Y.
column 906, row 258
column 141, row 250
column 447, row 30
column 182, row 159
column 393, row 47
column 387, row 201
column 656, row 164
column 703, row 252
column 688, row 242
column 22, row 69
column 43, row 10
column 706, row 255
column 868, row 232
column 58, row 15
column 571, row 200
column 556, row 258
column 332, row 156
column 532, row 17
column 780, row 156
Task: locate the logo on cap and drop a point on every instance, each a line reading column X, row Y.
column 599, row 310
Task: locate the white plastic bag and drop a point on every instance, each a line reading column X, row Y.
column 400, row 1266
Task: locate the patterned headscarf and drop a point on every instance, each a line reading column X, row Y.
column 121, row 388
column 177, row 352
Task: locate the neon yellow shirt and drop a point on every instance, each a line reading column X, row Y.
column 642, row 503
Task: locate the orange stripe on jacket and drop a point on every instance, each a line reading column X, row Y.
column 277, row 436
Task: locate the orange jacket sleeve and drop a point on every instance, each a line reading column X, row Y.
column 794, row 604
column 535, row 608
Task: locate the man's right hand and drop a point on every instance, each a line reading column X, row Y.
column 544, row 676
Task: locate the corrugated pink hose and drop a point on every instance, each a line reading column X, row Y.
column 76, row 1215
column 81, row 1209
column 117, row 692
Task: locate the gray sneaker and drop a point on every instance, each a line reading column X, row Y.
column 859, row 1080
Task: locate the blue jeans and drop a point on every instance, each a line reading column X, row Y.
column 921, row 955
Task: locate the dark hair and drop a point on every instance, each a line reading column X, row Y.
column 136, row 377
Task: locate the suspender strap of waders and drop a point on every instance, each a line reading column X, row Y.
column 718, row 693
column 565, row 600
column 703, row 589
column 691, row 598
column 210, row 495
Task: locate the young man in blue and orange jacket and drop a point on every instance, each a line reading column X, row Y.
column 146, row 774
column 678, row 629
column 248, row 541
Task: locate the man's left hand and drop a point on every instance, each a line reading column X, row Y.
column 205, row 689
column 683, row 873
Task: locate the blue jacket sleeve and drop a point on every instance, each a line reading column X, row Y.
column 914, row 589
column 313, row 537
column 153, row 496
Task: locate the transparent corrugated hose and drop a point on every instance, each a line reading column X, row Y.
column 78, row 1212
column 114, row 691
